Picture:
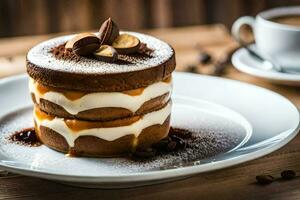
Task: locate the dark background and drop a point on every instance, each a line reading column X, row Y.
column 31, row 17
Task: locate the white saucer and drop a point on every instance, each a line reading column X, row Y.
column 246, row 63
column 258, row 120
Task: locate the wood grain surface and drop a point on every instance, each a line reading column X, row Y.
column 232, row 183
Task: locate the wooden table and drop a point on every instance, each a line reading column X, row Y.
column 232, row 183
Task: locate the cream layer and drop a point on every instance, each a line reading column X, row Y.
column 103, row 99
column 109, row 134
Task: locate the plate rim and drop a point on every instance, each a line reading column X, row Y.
column 164, row 174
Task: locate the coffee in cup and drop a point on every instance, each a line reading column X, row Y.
column 276, row 33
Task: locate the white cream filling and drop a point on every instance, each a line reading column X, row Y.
column 103, row 99
column 109, row 134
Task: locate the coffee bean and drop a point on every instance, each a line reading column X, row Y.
column 264, row 179
column 145, row 153
column 192, row 69
column 126, row 44
column 204, row 57
column 172, row 146
column 109, row 31
column 86, row 45
column 106, row 53
column 288, row 174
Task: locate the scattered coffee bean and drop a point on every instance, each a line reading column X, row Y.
column 264, row 179
column 126, row 44
column 288, row 174
column 145, row 153
column 177, row 140
column 204, row 57
column 109, row 31
column 192, row 69
column 172, row 146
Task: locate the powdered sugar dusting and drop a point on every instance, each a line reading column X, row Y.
column 215, row 135
column 41, row 56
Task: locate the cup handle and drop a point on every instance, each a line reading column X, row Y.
column 235, row 30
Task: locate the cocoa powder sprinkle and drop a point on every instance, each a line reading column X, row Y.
column 60, row 52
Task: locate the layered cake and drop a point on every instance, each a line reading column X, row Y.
column 101, row 94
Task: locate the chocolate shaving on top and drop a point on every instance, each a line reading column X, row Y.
column 60, row 52
column 145, row 50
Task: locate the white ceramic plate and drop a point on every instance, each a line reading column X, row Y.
column 250, row 121
column 246, row 63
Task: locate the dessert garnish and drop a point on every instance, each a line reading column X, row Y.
column 126, row 44
column 109, row 31
column 26, row 136
column 144, row 49
column 175, row 141
column 84, row 44
column 106, row 47
column 106, row 53
column 61, row 52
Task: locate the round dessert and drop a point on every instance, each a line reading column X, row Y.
column 129, row 72
column 105, row 102
column 100, row 106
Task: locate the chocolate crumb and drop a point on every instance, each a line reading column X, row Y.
column 162, row 145
column 144, row 49
column 179, row 141
column 179, row 132
column 26, row 137
column 60, row 52
column 144, row 153
column 172, row 146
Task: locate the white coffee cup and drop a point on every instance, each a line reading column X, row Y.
column 277, row 41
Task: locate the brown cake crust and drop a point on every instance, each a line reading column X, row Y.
column 131, row 72
column 101, row 114
column 101, row 82
column 95, row 147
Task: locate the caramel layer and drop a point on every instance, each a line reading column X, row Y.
column 78, row 125
column 168, row 79
column 74, row 95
